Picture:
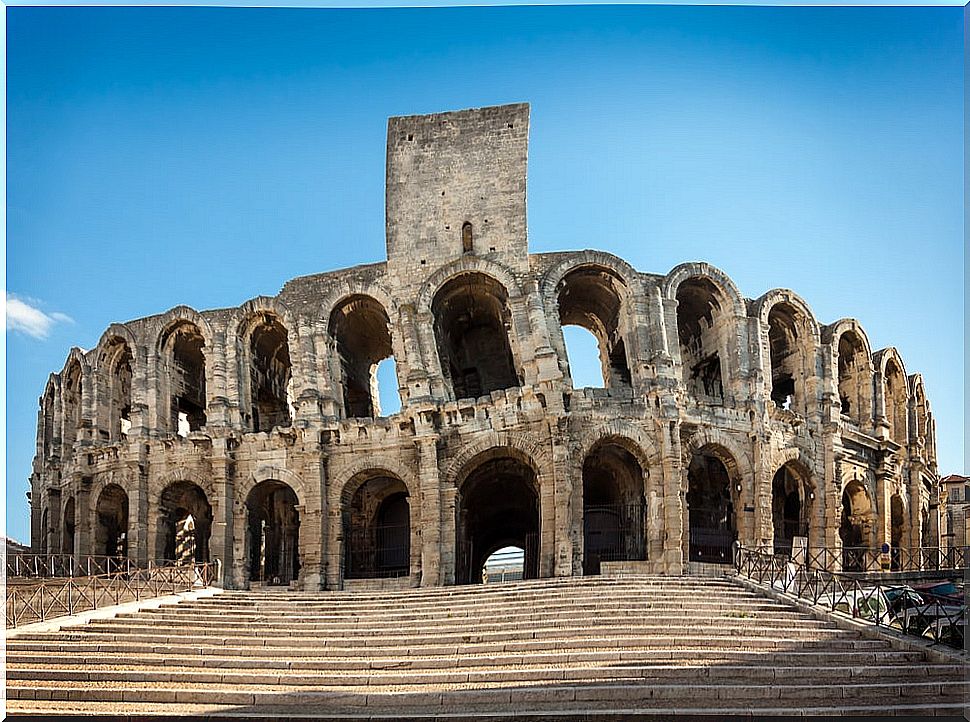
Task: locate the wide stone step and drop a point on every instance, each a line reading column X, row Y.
column 438, row 635
column 683, row 674
column 878, row 656
column 390, row 698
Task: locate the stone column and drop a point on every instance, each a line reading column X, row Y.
column 223, row 493
column 85, row 518
column 674, row 475
column 449, row 541
column 429, row 500
column 565, row 504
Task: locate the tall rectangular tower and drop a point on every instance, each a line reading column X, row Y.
column 456, row 185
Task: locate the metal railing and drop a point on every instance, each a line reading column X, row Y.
column 64, row 565
column 897, row 559
column 60, row 596
column 892, row 606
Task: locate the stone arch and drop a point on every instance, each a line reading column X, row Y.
column 858, row 515
column 851, row 368
column 790, row 343
column 184, row 353
column 919, row 433
column 111, row 519
column 379, row 521
column 497, row 505
column 473, row 326
column 792, row 499
column 360, row 336
column 893, row 385
column 274, row 515
column 614, row 502
column 185, row 473
column 715, row 491
column 718, row 278
column 49, row 435
column 184, row 521
column 461, row 266
column 75, row 390
column 265, row 334
column 272, row 472
column 115, row 363
column 528, row 447
column 898, row 528
column 346, row 474
column 596, row 298
column 628, row 435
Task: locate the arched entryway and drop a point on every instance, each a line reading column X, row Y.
column 185, row 523
column 273, row 533
column 111, row 528
column 377, row 529
column 854, row 531
column 711, row 521
column 790, row 503
column 67, row 538
column 497, row 506
column 613, row 507
column 897, row 526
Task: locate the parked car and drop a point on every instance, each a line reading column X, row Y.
column 902, row 597
column 947, row 592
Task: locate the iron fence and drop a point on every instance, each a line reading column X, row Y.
column 60, row 596
column 378, row 551
column 612, row 533
column 64, row 565
column 892, row 606
column 897, row 559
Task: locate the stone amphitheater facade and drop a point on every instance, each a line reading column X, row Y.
column 256, row 431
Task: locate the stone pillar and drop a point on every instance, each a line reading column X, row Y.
column 674, row 475
column 223, row 494
column 429, row 501
column 547, row 523
column 565, row 505
column 55, row 521
column 85, row 518
column 138, row 519
column 449, row 541
column 761, row 532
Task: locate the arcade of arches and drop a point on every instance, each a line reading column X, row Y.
column 715, row 420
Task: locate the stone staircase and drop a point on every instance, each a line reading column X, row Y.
column 584, row 648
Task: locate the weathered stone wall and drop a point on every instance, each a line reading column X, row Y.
column 111, row 417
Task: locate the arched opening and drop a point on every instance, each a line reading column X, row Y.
column 710, row 510
column 790, row 503
column 594, row 299
column 472, row 319
column 185, row 523
column 702, row 331
column 72, row 405
column 44, row 530
column 897, row 527
column 613, row 507
column 115, row 407
column 498, row 506
column 361, row 335
column 785, row 341
column 67, row 538
column 466, row 238
column 377, row 530
column 183, row 355
column 504, row 565
column 897, row 395
column 269, row 374
column 111, row 513
column 855, row 379
column 856, row 525
column 920, row 435
column 387, row 391
column 48, row 436
column 273, row 533
column 582, row 348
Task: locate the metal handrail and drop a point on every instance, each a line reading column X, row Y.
column 863, row 600
column 868, row 559
column 60, row 596
column 64, row 565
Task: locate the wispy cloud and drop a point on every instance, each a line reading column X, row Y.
column 24, row 316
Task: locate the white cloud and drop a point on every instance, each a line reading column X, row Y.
column 26, row 318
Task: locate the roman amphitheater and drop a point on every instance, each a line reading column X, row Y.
column 254, row 435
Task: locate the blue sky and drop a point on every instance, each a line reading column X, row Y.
column 158, row 156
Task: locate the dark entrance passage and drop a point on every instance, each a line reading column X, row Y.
column 613, row 507
column 711, row 520
column 855, row 526
column 498, row 507
column 788, row 509
column 377, row 530
column 111, row 532
column 274, row 533
column 186, row 517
